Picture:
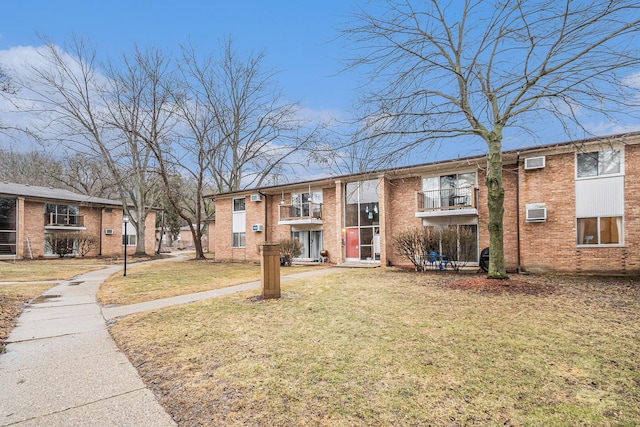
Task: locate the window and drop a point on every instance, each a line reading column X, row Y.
column 598, row 163
column 306, row 204
column 448, row 190
column 600, row 231
column 7, row 226
column 239, row 223
column 239, row 205
column 239, row 240
column 62, row 215
column 129, row 240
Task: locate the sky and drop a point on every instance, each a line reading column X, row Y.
column 299, row 38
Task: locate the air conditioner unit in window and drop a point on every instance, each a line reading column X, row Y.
column 256, row 227
column 108, row 231
column 256, row 197
column 534, row 162
column 536, row 212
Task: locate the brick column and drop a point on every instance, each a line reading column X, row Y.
column 21, row 244
column 385, row 223
column 339, row 250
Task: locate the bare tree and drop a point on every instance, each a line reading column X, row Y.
column 30, row 167
column 83, row 106
column 441, row 70
column 257, row 131
column 234, row 131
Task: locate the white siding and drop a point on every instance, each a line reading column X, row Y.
column 600, row 197
column 239, row 222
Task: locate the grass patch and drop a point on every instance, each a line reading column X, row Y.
column 381, row 347
column 47, row 269
column 162, row 280
column 12, row 300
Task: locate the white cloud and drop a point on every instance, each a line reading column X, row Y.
column 612, row 128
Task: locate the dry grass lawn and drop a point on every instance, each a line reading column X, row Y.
column 378, row 347
column 179, row 277
column 49, row 269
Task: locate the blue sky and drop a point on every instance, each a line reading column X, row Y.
column 297, row 36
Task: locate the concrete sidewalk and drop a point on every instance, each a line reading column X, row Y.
column 62, row 367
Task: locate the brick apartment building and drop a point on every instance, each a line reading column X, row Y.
column 569, row 207
column 29, row 213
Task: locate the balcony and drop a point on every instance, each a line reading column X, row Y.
column 301, row 213
column 447, row 202
column 64, row 221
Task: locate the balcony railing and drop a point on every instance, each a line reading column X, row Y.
column 447, row 199
column 304, row 211
column 66, row 220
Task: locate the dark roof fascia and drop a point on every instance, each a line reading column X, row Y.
column 46, row 194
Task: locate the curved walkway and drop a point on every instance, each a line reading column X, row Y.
column 62, row 368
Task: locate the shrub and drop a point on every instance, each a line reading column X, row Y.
column 86, row 243
column 416, row 244
column 289, row 249
column 61, row 244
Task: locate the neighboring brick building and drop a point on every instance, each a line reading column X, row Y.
column 29, row 213
column 569, row 207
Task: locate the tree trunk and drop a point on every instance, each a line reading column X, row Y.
column 197, row 242
column 140, row 237
column 495, row 203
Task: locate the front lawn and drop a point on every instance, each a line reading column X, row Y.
column 47, row 269
column 179, row 277
column 383, row 347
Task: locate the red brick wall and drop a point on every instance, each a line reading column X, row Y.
column 221, row 241
column 547, row 246
column 33, row 228
column 401, row 212
column 551, row 245
column 331, row 227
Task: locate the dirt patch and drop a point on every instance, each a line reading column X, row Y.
column 515, row 286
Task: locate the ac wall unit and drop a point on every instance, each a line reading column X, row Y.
column 534, row 162
column 536, row 212
column 256, row 197
column 256, row 227
column 108, row 231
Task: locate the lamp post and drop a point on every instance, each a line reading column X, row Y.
column 125, row 221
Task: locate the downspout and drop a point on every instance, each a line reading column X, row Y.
column 101, row 232
column 519, row 269
column 266, row 217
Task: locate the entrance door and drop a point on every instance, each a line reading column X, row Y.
column 353, row 243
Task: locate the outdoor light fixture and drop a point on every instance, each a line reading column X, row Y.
column 125, row 221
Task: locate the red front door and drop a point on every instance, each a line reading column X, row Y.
column 353, row 243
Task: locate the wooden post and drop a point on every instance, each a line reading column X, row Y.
column 270, row 270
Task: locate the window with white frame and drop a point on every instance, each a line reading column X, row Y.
column 605, row 230
column 129, row 239
column 306, row 204
column 448, row 190
column 598, row 163
column 239, row 227
column 600, row 198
